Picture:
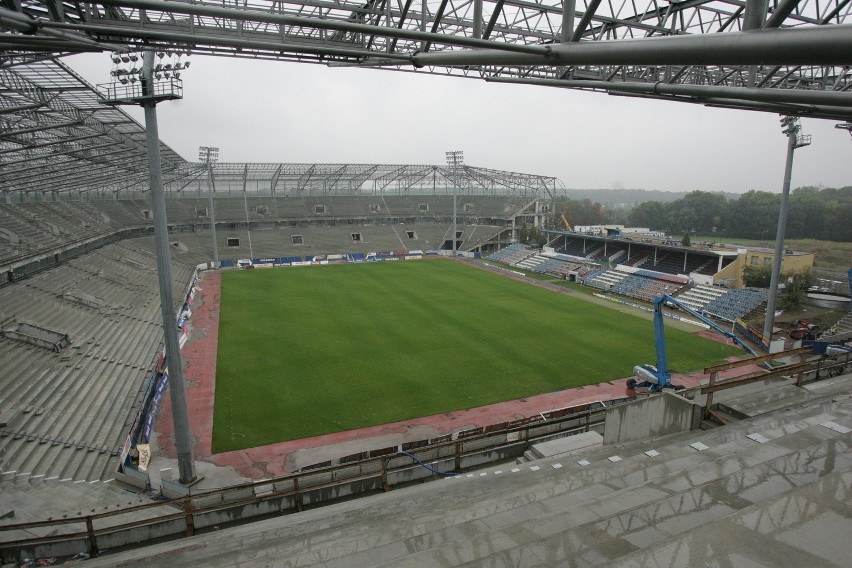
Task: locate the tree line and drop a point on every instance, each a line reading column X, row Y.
column 814, row 213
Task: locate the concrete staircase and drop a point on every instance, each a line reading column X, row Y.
column 772, row 490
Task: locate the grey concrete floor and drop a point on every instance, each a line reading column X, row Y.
column 783, row 498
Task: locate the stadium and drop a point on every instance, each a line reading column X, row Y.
column 370, row 369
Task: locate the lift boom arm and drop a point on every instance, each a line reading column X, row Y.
column 660, row 336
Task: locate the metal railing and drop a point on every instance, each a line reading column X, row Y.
column 379, row 471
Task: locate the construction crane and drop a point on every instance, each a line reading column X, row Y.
column 566, row 223
column 657, row 378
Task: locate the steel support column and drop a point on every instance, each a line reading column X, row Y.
column 568, row 9
column 769, row 322
column 755, row 14
column 477, row 19
column 212, row 214
column 183, row 440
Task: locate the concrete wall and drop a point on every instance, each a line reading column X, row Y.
column 656, row 415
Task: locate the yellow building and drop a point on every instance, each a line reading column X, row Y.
column 792, row 263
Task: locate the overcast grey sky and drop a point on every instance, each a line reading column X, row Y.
column 266, row 111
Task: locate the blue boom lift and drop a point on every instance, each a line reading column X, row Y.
column 658, row 378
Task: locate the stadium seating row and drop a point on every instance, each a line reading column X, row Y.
column 699, row 296
column 737, row 303
column 646, row 284
column 31, row 229
column 70, row 410
column 512, row 254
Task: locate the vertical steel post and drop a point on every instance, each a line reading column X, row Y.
column 183, row 440
column 568, row 9
column 769, row 322
column 455, row 158
column 755, row 14
column 212, row 211
column 477, row 19
column 455, row 191
column 423, row 12
column 245, row 206
column 388, row 23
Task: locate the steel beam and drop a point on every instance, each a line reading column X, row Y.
column 568, row 9
column 498, row 9
column 242, row 15
column 585, row 20
column 826, row 45
column 780, row 96
column 755, row 14
column 784, row 9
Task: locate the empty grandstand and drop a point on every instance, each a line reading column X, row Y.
column 638, row 269
column 83, row 375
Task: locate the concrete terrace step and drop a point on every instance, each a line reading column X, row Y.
column 553, row 511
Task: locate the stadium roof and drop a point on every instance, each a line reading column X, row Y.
column 786, row 56
column 57, row 136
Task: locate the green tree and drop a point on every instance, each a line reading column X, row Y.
column 711, row 208
column 754, row 215
column 686, row 241
column 583, row 212
column 680, row 217
column 806, row 215
column 757, row 276
column 795, row 289
column 838, row 211
column 649, row 214
column 537, row 238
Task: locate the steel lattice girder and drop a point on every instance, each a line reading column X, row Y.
column 391, row 178
column 55, row 135
column 783, row 45
column 786, row 56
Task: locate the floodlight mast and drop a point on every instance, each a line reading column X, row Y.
column 148, row 92
column 455, row 158
column 209, row 155
column 795, row 139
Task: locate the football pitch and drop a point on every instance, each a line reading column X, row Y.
column 306, row 351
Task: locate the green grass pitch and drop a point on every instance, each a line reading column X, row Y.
column 314, row 350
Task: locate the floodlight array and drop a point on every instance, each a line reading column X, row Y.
column 127, row 66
